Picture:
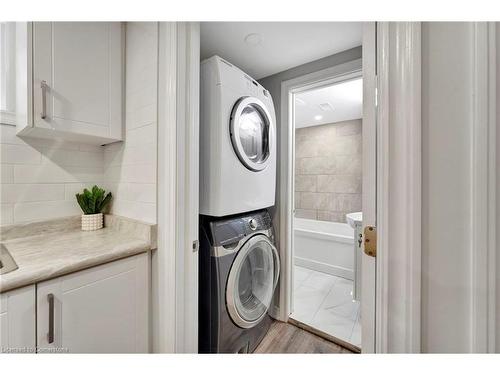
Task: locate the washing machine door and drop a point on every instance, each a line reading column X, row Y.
column 251, row 131
column 251, row 282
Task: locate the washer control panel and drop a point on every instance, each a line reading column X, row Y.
column 253, row 224
column 230, row 230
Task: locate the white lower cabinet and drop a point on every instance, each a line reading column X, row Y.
column 17, row 320
column 103, row 309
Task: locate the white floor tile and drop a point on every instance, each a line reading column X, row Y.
column 307, row 301
column 333, row 324
column 339, row 301
column 320, row 280
column 300, row 274
column 325, row 302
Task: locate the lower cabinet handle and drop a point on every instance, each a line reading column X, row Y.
column 50, row 335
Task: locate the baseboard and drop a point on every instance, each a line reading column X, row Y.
column 324, row 267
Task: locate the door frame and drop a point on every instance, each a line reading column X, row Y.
column 325, row 77
column 176, row 313
column 396, row 54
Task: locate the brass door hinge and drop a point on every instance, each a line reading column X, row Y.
column 370, row 240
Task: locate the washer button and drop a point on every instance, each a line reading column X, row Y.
column 253, row 224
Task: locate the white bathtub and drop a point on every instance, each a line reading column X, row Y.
column 324, row 246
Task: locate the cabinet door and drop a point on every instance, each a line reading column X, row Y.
column 81, row 64
column 17, row 320
column 103, row 309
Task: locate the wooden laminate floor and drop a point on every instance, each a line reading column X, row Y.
column 287, row 338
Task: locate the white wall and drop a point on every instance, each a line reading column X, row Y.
column 447, row 179
column 39, row 178
column 130, row 166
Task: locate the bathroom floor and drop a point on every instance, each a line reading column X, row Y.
column 325, row 303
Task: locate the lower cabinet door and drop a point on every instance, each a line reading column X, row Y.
column 17, row 321
column 103, row 309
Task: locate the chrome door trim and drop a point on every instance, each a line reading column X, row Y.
column 241, row 104
column 231, row 281
column 277, row 268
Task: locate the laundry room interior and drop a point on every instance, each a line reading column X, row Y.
column 326, row 154
column 248, row 187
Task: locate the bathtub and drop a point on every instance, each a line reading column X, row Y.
column 324, row 246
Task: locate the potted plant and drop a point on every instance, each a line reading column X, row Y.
column 93, row 202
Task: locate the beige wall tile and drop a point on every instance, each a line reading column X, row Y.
column 348, row 164
column 335, row 216
column 316, row 165
column 339, row 184
column 328, row 167
column 316, row 200
column 306, row 214
column 349, row 127
column 306, row 183
column 348, row 202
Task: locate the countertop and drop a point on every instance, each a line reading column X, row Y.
column 46, row 250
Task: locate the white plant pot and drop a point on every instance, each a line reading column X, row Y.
column 92, row 222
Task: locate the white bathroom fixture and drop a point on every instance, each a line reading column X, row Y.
column 355, row 220
column 237, row 141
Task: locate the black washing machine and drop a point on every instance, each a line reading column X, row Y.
column 239, row 270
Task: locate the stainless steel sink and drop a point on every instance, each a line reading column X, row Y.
column 7, row 263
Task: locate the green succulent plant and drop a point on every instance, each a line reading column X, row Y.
column 93, row 201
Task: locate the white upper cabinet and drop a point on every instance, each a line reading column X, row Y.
column 76, row 71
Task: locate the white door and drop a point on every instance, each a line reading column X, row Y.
column 103, row 309
column 369, row 198
column 77, row 77
column 17, row 320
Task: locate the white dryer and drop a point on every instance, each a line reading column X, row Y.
column 237, row 141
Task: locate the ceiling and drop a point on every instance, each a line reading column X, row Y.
column 339, row 102
column 261, row 49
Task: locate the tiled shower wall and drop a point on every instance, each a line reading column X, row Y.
column 328, row 171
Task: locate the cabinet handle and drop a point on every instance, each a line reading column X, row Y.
column 50, row 335
column 44, row 86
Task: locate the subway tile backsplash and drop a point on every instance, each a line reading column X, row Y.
column 328, row 175
column 39, row 178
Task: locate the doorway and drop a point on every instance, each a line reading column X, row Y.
column 326, row 127
column 327, row 210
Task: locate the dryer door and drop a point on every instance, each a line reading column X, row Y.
column 252, row 281
column 251, row 132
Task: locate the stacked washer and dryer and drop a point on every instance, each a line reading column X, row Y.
column 239, row 263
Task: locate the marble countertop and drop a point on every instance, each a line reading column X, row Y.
column 46, row 250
